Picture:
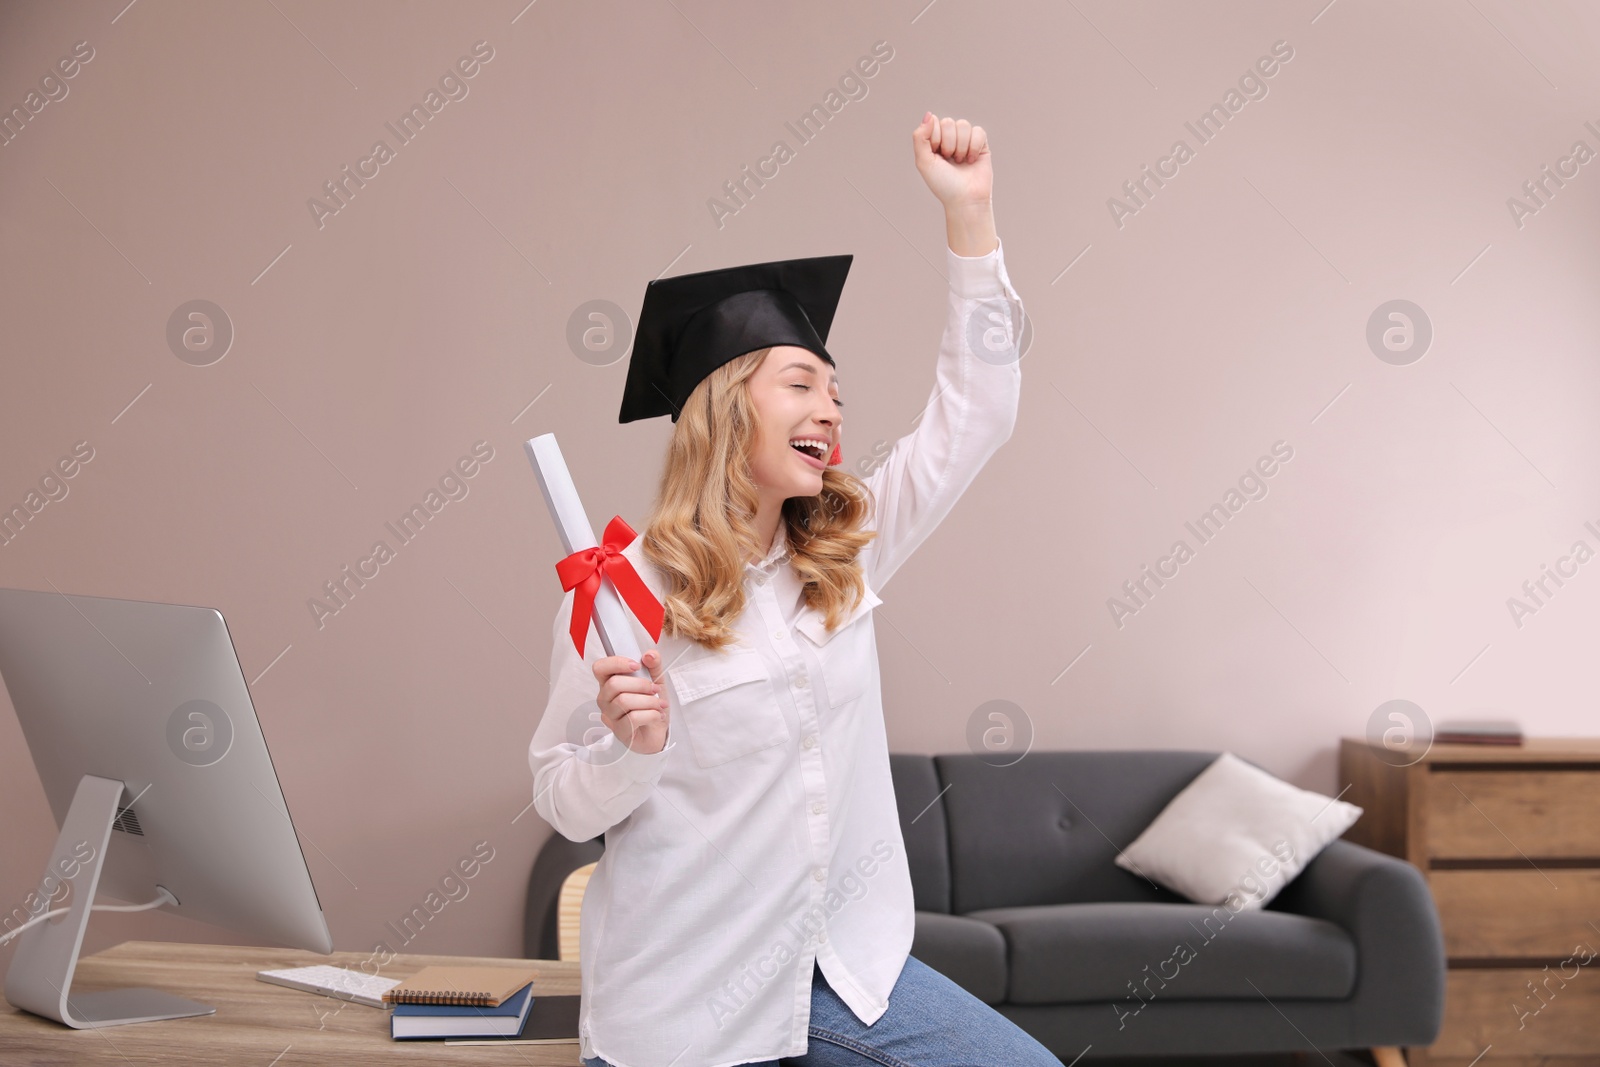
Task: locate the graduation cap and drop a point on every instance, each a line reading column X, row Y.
column 694, row 323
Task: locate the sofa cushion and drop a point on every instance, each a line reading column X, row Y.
column 1045, row 830
column 922, row 827
column 1236, row 835
column 968, row 952
column 1068, row 953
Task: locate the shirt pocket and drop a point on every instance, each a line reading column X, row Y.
column 848, row 656
column 846, row 664
column 726, row 704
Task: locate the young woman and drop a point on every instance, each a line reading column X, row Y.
column 753, row 904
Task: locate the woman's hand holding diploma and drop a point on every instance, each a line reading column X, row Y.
column 632, row 708
column 952, row 156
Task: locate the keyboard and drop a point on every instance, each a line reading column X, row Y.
column 339, row 982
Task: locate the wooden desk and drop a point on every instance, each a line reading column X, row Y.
column 256, row 1023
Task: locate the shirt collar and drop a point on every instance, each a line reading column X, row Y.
column 777, row 555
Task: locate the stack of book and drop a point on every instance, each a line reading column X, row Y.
column 1478, row 732
column 494, row 1003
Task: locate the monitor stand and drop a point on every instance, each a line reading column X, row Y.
column 40, row 977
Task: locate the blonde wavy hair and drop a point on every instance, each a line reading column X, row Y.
column 699, row 531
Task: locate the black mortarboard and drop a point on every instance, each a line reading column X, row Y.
column 694, row 323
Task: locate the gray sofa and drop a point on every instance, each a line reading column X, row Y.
column 1019, row 902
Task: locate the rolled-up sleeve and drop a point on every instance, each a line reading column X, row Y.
column 970, row 414
column 584, row 790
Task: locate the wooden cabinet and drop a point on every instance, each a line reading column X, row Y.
column 1509, row 840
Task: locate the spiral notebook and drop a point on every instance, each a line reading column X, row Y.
column 484, row 987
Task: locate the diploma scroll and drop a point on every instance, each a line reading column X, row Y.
column 572, row 525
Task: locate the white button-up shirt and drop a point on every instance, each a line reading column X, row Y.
column 765, row 835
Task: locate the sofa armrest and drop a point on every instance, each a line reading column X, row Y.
column 969, row 952
column 1385, row 905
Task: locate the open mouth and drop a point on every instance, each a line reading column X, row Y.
column 813, row 449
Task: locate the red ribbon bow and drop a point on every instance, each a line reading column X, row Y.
column 582, row 570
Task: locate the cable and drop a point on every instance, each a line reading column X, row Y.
column 166, row 897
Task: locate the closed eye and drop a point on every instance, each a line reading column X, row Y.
column 803, row 385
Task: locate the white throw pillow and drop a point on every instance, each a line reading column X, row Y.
column 1236, row 836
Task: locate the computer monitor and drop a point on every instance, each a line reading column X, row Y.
column 150, row 753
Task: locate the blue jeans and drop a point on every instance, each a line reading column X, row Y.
column 930, row 1022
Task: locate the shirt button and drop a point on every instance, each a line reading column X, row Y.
column 801, row 681
column 817, row 808
column 779, row 635
column 819, row 874
column 810, row 741
column 822, row 935
column 761, row 579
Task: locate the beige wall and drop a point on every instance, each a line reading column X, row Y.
column 1228, row 313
